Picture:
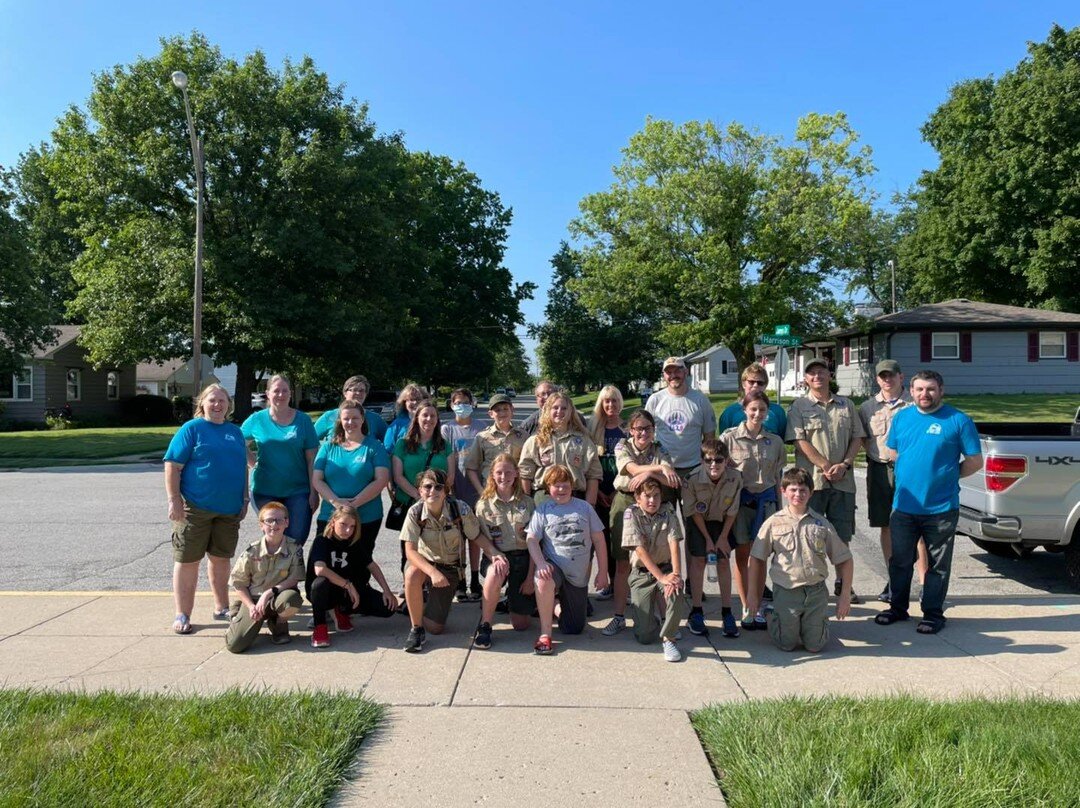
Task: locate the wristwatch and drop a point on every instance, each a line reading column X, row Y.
column 275, row 591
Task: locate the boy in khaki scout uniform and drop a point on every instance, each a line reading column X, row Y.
column 265, row 579
column 710, row 501
column 798, row 540
column 876, row 414
column 652, row 533
column 434, row 534
column 828, row 434
column 502, row 437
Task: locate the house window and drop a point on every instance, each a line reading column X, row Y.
column 860, row 350
column 74, row 384
column 724, row 367
column 1051, row 345
column 946, row 345
column 112, row 385
column 19, row 386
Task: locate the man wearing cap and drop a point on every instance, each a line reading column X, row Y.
column 876, row 415
column 543, row 389
column 827, row 434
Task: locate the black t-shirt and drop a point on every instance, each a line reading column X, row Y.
column 349, row 560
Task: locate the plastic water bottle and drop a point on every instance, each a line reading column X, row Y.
column 710, row 561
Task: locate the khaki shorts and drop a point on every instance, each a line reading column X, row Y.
column 744, row 520
column 440, row 598
column 204, row 533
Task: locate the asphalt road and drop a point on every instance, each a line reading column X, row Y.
column 106, row 528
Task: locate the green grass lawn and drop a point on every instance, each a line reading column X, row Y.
column 894, row 752
column 239, row 748
column 83, row 444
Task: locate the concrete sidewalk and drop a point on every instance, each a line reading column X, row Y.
column 597, row 705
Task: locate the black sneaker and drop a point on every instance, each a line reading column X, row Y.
column 461, row 594
column 766, row 594
column 502, row 607
column 589, row 607
column 415, row 643
column 476, row 592
column 483, row 636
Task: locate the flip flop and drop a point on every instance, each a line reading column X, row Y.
column 222, row 614
column 182, row 624
column 888, row 617
column 930, row 625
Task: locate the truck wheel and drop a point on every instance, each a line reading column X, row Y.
column 1003, row 549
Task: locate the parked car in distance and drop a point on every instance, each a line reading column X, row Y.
column 510, row 391
column 1028, row 492
column 383, row 402
column 258, row 401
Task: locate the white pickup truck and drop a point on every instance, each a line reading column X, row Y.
column 1028, row 493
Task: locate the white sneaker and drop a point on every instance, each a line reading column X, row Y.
column 605, row 593
column 672, row 652
column 616, row 624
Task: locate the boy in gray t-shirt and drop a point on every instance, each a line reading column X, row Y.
column 559, row 537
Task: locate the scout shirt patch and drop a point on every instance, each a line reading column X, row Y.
column 577, row 440
column 701, row 507
column 627, row 516
column 576, row 460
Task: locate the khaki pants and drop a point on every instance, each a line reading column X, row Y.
column 799, row 617
column 243, row 630
column 645, row 593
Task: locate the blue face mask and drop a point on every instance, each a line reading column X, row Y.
column 462, row 410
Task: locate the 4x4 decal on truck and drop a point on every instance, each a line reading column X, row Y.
column 1064, row 460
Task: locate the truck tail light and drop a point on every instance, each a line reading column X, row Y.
column 1002, row 472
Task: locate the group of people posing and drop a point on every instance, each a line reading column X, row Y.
column 520, row 517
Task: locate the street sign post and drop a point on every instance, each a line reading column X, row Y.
column 773, row 339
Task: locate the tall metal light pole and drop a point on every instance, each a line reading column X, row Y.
column 892, row 271
column 180, row 79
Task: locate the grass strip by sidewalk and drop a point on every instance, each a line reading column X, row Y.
column 238, row 748
column 895, row 752
column 85, row 444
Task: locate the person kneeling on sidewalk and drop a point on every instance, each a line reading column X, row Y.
column 798, row 540
column 339, row 575
column 264, row 580
column 652, row 532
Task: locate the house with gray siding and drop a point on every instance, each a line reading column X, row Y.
column 61, row 374
column 977, row 348
column 713, row 370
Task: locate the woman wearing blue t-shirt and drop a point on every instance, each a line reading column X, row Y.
column 408, row 402
column 352, row 468
column 282, row 447
column 206, row 482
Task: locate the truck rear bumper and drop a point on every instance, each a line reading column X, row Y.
column 981, row 525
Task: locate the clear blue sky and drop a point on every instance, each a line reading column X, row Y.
column 538, row 98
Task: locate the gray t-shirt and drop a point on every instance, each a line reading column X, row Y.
column 681, row 423
column 565, row 533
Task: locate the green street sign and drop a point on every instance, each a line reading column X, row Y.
column 783, row 331
column 775, row 339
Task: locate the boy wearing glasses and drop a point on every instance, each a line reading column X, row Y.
column 710, row 505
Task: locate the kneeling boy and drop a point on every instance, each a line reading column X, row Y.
column 652, row 532
column 798, row 541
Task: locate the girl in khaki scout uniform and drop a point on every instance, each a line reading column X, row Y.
column 652, row 533
column 637, row 458
column 798, row 540
column 434, row 534
column 710, row 503
column 264, row 580
column 759, row 456
column 504, row 512
column 561, row 440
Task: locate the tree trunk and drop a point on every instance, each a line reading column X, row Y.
column 245, row 386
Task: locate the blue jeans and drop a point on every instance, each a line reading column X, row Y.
column 938, row 531
column 299, row 514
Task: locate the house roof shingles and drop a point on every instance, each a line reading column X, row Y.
column 962, row 313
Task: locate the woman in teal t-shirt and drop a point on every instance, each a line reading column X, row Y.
column 352, row 468
column 282, row 445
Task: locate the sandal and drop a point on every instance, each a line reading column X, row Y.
column 222, row 614
column 182, row 624
column 930, row 625
column 543, row 645
column 888, row 617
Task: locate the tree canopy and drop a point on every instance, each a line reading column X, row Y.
column 716, row 234
column 999, row 218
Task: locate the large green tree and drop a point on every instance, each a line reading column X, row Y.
column 999, row 218
column 716, row 234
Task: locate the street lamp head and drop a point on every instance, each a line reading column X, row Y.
column 179, row 78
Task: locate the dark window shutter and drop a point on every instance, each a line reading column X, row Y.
column 925, row 345
column 965, row 346
column 847, row 352
column 1033, row 346
column 870, row 351
column 1072, row 346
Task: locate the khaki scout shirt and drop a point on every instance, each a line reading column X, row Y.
column 489, row 444
column 505, row 522
column 652, row 533
column 876, row 415
column 714, row 501
column 257, row 569
column 571, row 449
column 760, row 460
column 626, row 453
column 439, row 540
column 798, row 546
column 829, row 428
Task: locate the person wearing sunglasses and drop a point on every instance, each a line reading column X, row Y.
column 355, row 389
column 753, row 378
column 434, row 535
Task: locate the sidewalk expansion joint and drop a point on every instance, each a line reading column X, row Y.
column 461, row 673
column 50, row 619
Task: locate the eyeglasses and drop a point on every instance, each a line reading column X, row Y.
column 758, row 382
column 275, row 520
column 356, row 389
column 714, row 461
column 641, row 430
column 432, row 487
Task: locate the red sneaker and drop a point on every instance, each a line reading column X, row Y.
column 344, row 622
column 320, row 637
